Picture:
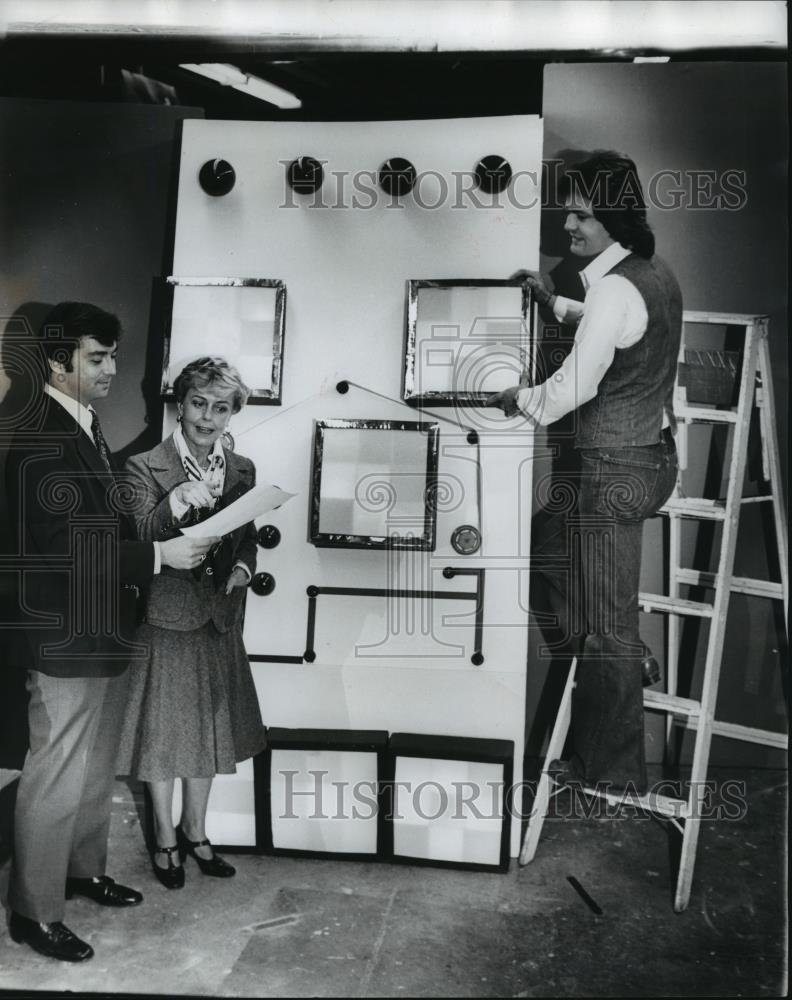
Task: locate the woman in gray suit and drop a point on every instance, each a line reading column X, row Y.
column 192, row 709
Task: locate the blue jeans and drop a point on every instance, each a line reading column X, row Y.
column 586, row 564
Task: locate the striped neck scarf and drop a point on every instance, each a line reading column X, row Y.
column 214, row 474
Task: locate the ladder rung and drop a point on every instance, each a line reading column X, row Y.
column 674, row 605
column 671, row 703
column 704, row 507
column 705, row 416
column 722, row 319
column 660, row 804
column 714, row 510
column 739, row 584
column 733, row 731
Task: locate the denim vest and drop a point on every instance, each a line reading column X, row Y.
column 628, row 408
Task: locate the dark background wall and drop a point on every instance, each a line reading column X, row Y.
column 84, row 210
column 713, row 117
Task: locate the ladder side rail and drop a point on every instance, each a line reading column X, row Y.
column 674, row 624
column 680, row 403
column 717, row 634
column 769, row 434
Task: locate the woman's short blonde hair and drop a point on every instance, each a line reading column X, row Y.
column 203, row 372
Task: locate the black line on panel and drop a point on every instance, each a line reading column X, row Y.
column 274, row 658
column 442, row 595
column 310, row 653
column 478, row 635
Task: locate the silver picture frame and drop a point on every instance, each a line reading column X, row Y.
column 239, row 319
column 466, row 339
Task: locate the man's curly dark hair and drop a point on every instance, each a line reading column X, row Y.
column 610, row 182
column 68, row 322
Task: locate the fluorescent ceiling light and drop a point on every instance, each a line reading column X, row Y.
column 254, row 86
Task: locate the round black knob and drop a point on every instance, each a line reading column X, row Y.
column 262, row 584
column 493, row 174
column 477, row 659
column 305, row 175
column 312, row 591
column 217, row 177
column 449, row 573
column 268, row 536
column 397, row 176
column 472, row 437
column 309, row 656
column 342, row 387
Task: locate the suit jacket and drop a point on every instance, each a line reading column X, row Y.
column 82, row 564
column 182, row 599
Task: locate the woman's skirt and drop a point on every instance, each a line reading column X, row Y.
column 192, row 709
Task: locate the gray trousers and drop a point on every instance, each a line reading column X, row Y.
column 62, row 815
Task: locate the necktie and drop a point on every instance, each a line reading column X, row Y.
column 99, row 441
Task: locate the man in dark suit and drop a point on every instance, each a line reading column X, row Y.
column 77, row 595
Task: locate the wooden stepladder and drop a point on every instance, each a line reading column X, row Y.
column 755, row 394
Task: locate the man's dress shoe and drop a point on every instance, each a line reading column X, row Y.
column 566, row 772
column 53, row 940
column 103, row 890
column 571, row 773
column 650, row 670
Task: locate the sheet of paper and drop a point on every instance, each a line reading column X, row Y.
column 248, row 507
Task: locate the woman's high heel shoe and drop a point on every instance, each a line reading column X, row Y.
column 215, row 865
column 171, row 877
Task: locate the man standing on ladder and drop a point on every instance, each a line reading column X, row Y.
column 619, row 379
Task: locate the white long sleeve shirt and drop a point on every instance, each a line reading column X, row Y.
column 611, row 317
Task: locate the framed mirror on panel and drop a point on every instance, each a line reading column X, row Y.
column 240, row 319
column 466, row 339
column 373, row 484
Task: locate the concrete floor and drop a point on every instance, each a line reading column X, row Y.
column 310, row 928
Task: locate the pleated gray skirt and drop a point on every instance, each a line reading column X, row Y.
column 192, row 709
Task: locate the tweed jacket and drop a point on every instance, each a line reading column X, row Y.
column 183, row 599
column 83, row 565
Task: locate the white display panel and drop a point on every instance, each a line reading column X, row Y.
column 324, row 800
column 346, row 267
column 448, row 810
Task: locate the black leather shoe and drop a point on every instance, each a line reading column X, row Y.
column 171, row 877
column 215, row 865
column 566, row 772
column 650, row 670
column 572, row 774
column 53, row 940
column 103, row 890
